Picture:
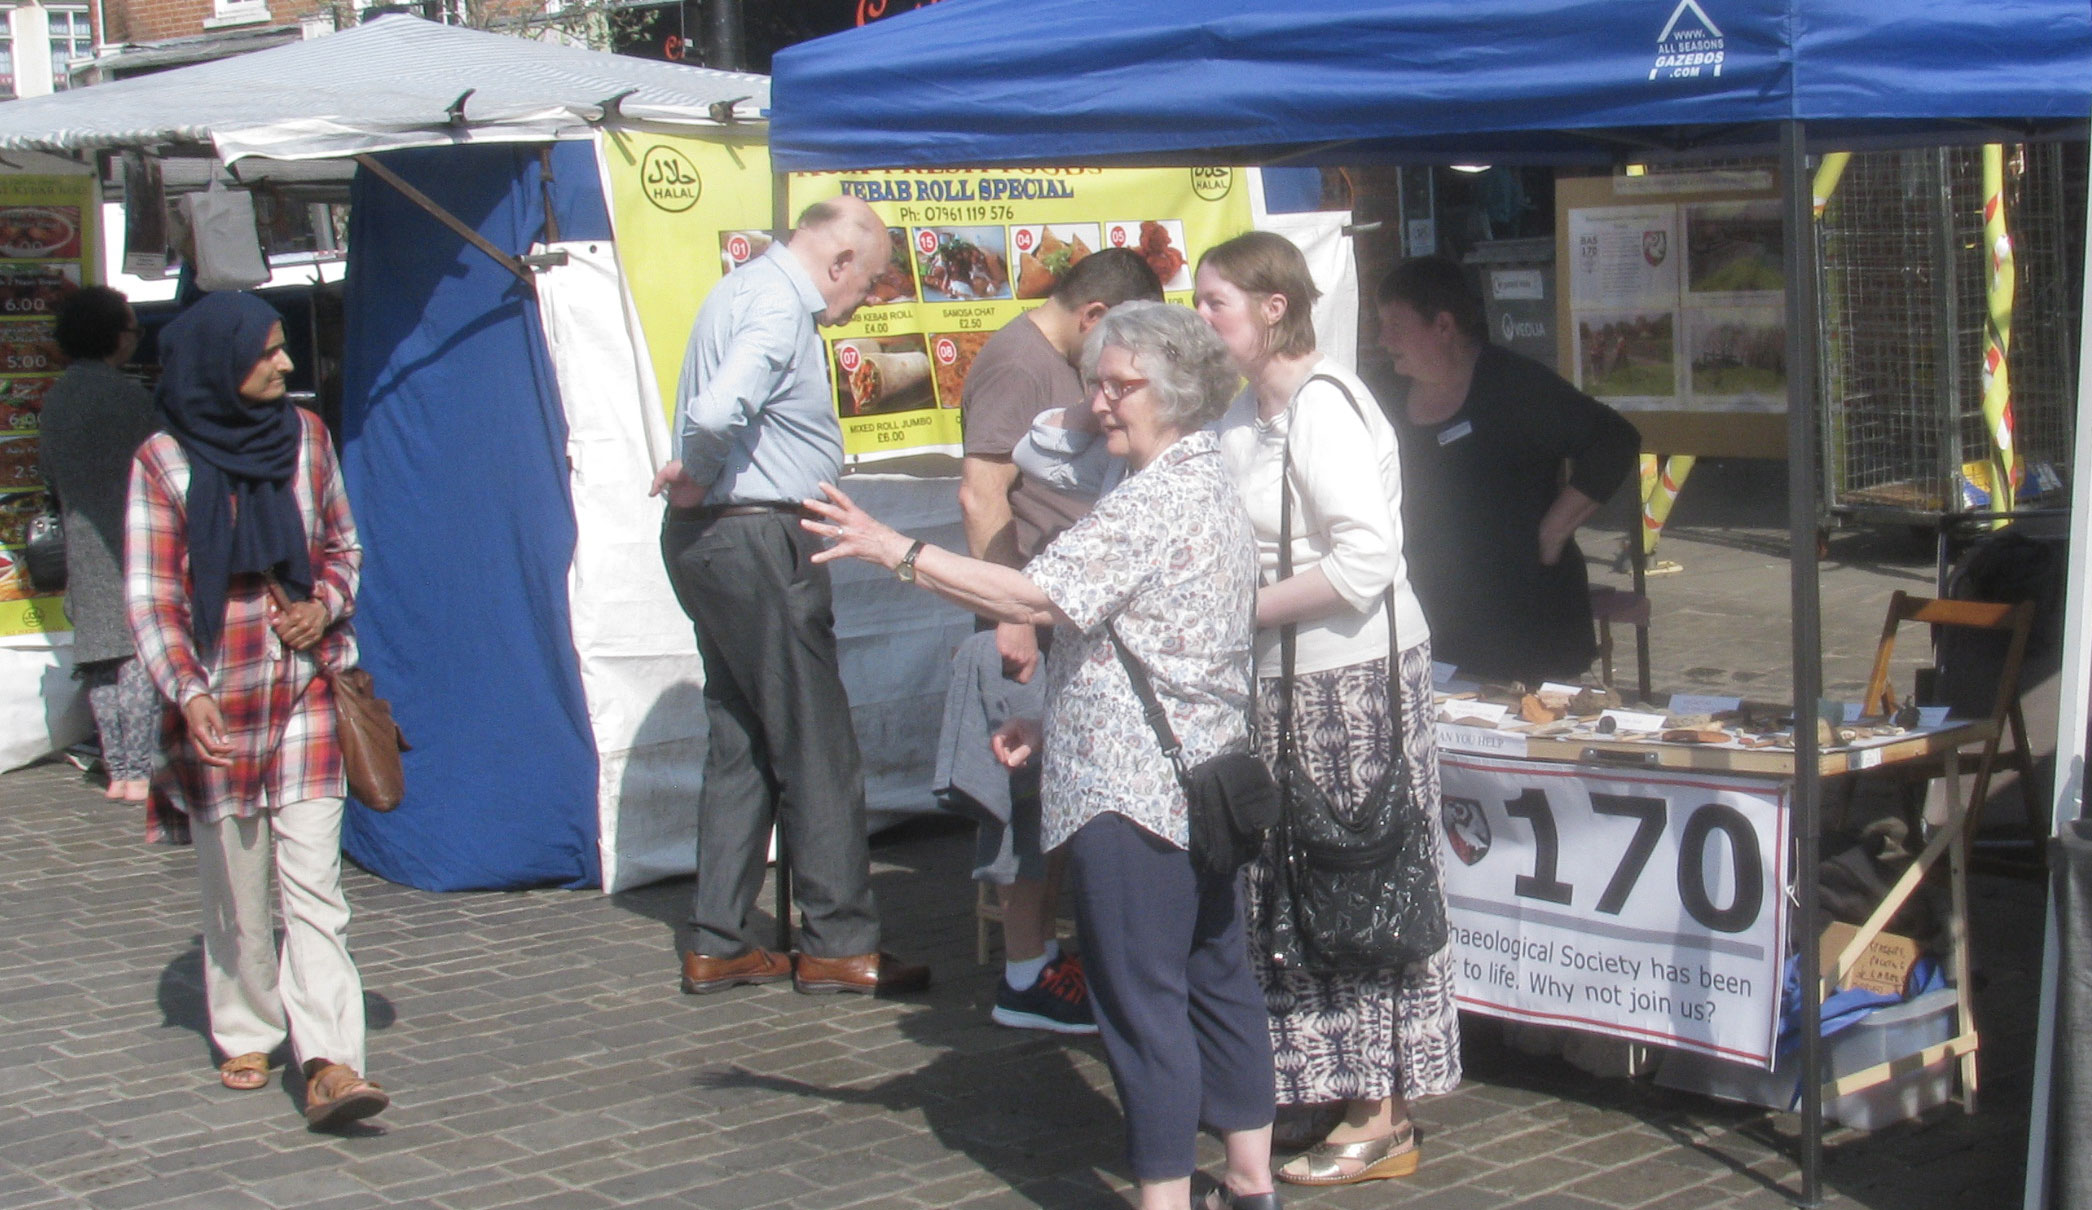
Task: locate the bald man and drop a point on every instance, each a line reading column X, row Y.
column 758, row 433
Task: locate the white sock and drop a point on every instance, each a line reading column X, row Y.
column 1021, row 975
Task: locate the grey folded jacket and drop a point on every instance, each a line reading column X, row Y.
column 980, row 698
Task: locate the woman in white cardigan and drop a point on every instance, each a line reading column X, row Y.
column 1366, row 1041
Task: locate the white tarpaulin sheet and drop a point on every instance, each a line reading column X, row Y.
column 639, row 663
column 388, row 83
column 41, row 706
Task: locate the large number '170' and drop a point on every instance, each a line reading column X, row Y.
column 1649, row 815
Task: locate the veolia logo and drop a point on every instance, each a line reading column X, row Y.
column 669, row 179
column 1212, row 184
column 1690, row 45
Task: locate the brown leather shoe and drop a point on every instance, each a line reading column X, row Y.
column 702, row 975
column 865, row 974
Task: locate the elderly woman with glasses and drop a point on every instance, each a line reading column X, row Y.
column 1167, row 560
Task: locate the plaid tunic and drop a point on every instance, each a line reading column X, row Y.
column 278, row 712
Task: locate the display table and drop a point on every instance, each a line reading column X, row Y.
column 1642, row 889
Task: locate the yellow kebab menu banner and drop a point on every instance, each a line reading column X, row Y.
column 975, row 248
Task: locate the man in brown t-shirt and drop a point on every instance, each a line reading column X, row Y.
column 1024, row 369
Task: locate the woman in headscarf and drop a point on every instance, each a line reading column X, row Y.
column 241, row 565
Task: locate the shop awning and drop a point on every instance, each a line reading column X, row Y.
column 391, row 83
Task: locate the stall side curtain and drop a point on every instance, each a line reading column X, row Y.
column 454, row 450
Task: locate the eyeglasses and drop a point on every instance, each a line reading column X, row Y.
column 1117, row 389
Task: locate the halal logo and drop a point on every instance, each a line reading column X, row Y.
column 1212, row 184
column 1655, row 246
column 1467, row 829
column 669, row 179
column 1690, row 45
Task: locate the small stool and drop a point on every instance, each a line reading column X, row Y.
column 1609, row 605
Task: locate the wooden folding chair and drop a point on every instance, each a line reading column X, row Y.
column 2005, row 713
column 1951, row 838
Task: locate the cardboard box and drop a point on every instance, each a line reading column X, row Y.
column 1884, row 966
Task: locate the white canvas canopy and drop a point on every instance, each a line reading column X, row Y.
column 391, row 83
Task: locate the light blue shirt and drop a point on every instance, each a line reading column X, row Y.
column 756, row 413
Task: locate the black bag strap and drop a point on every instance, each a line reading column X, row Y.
column 1151, row 705
column 1289, row 632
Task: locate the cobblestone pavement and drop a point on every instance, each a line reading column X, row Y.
column 541, row 1056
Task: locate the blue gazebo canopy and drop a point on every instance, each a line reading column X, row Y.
column 1165, row 81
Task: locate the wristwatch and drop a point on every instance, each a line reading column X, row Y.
column 904, row 571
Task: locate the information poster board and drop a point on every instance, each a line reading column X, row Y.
column 681, row 208
column 1672, row 307
column 1641, row 905
column 975, row 248
column 48, row 243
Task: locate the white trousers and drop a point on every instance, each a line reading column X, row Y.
column 311, row 991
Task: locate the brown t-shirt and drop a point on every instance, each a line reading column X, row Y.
column 1014, row 377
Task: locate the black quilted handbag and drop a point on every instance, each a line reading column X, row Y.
column 43, row 549
column 1354, row 889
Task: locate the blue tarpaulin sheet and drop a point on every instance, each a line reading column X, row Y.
column 992, row 82
column 454, row 450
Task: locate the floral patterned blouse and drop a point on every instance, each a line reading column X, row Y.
column 1169, row 556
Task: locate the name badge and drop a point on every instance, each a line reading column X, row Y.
column 1455, row 433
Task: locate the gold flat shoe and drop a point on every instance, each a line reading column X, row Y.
column 1391, row 1155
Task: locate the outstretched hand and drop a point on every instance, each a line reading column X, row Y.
column 852, row 532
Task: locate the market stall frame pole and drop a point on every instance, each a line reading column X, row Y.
column 2071, row 716
column 781, row 232
column 1802, row 516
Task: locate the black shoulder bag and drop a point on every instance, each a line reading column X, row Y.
column 43, row 547
column 1231, row 798
column 1354, row 890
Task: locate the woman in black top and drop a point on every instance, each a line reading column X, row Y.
column 1501, row 461
column 93, row 419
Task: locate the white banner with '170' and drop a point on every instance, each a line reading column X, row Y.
column 1644, row 905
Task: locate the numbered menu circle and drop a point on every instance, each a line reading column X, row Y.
column 926, row 241
column 848, row 357
column 737, row 247
column 947, row 352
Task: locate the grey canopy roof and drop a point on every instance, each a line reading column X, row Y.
column 388, row 83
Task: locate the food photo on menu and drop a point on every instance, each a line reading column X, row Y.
column 882, row 374
column 1046, row 252
column 1160, row 242
column 21, row 403
column 30, row 232
column 962, row 264
column 737, row 248
column 896, row 284
column 951, row 354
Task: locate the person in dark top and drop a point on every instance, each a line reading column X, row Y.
column 1501, row 461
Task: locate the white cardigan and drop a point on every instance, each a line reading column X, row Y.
column 1347, row 515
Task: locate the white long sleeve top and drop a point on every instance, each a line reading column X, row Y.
column 1347, row 515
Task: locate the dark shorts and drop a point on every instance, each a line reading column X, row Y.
column 1007, row 853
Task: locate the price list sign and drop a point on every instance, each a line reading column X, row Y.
column 1643, row 905
column 47, row 244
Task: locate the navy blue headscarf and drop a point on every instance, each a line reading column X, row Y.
column 238, row 451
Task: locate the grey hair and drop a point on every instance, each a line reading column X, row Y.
column 1182, row 359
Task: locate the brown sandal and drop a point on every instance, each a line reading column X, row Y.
column 335, row 1095
column 245, row 1073
column 1394, row 1154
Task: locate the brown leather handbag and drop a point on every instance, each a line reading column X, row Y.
column 370, row 741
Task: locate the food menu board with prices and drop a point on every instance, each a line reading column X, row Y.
column 47, row 241
column 972, row 250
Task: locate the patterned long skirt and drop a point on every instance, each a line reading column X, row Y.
column 1356, row 1036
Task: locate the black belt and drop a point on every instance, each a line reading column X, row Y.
column 712, row 512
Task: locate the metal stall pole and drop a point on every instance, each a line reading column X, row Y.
column 1800, row 234
column 2073, row 681
column 1946, row 319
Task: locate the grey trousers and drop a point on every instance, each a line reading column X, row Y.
column 782, row 749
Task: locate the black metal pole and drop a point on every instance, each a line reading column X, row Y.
column 780, row 207
column 723, row 44
column 1800, row 232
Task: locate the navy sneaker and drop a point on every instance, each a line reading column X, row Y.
column 1059, row 1001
